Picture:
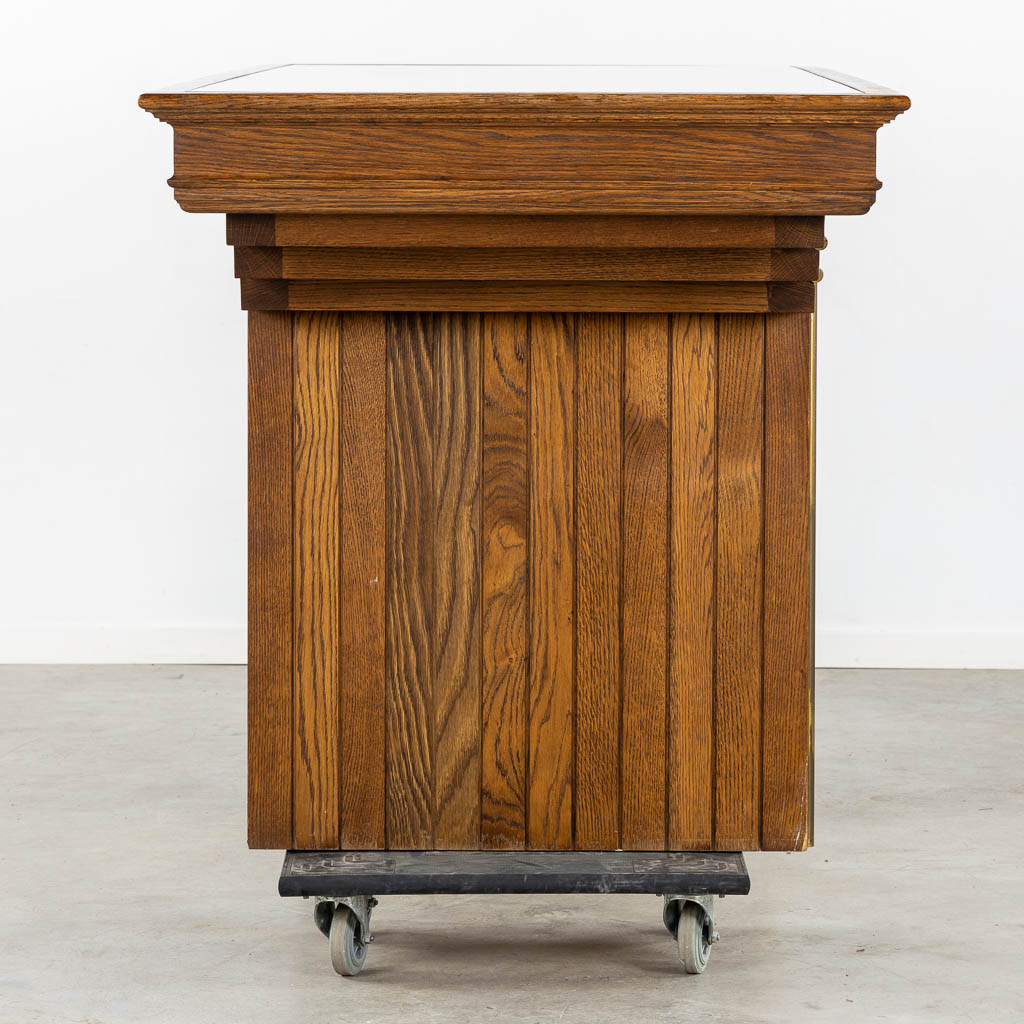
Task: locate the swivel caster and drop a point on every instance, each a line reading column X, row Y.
column 691, row 920
column 345, row 920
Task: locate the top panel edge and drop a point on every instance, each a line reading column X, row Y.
column 527, row 80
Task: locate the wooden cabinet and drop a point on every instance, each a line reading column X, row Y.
column 531, row 413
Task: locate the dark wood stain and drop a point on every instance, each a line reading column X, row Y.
column 536, row 296
column 251, row 229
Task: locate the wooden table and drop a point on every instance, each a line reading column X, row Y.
column 531, row 413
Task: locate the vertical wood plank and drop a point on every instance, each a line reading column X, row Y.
column 505, row 645
column 363, row 565
column 599, row 340
column 692, row 591
column 410, row 465
column 812, row 660
column 739, row 582
column 787, row 570
column 551, row 458
column 317, row 403
column 456, row 602
column 644, row 580
column 270, row 581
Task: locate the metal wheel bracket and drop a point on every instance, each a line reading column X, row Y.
column 673, row 907
column 361, row 906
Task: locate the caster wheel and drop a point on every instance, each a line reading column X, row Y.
column 348, row 950
column 693, row 938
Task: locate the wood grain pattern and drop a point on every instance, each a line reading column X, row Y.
column 738, row 629
column 198, row 195
column 362, row 683
column 787, row 599
column 410, row 612
column 552, row 542
column 537, row 296
column 813, row 412
column 270, row 580
column 531, row 487
column 870, row 104
column 599, row 343
column 789, row 265
column 692, row 594
column 799, row 232
column 525, row 231
column 251, row 229
column 790, row 296
column 456, row 599
column 425, row 155
column 489, row 154
column 483, row 263
column 505, row 640
column 642, row 169
column 552, row 556
column 645, row 485
column 316, row 401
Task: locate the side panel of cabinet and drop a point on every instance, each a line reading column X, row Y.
column 530, row 581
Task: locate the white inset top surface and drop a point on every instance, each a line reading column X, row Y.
column 754, row 79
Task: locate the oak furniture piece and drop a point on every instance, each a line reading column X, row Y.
column 531, row 426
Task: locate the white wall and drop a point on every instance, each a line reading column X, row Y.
column 122, row 404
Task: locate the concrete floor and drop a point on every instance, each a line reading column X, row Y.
column 127, row 894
